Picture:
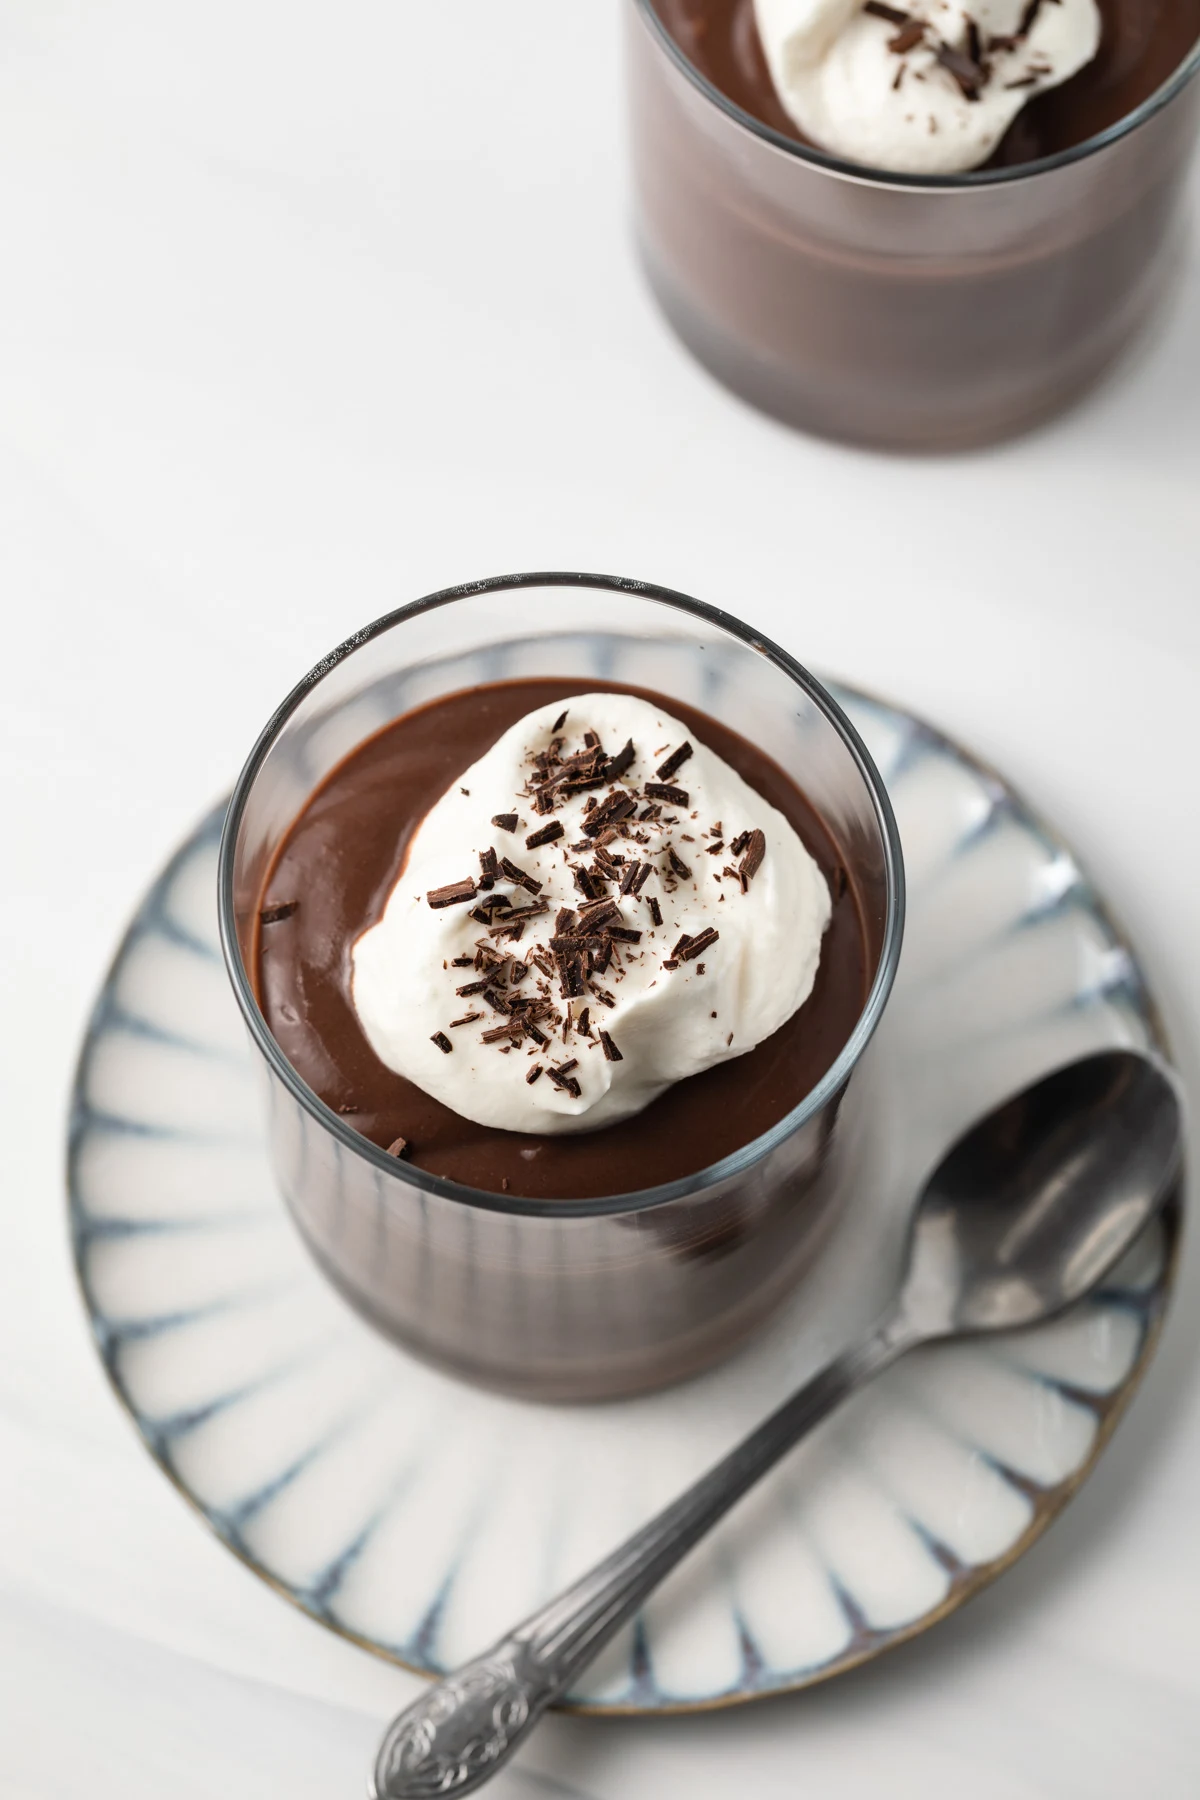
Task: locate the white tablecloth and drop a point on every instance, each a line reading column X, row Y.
column 305, row 310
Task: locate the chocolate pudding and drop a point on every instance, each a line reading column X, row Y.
column 1142, row 43
column 331, row 879
column 923, row 311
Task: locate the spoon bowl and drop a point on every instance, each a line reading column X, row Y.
column 1031, row 1208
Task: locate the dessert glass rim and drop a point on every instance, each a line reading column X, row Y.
column 863, row 175
column 638, row 1200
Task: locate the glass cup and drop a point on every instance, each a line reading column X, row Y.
column 905, row 312
column 573, row 1299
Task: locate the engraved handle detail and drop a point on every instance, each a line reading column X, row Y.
column 449, row 1740
column 454, row 1737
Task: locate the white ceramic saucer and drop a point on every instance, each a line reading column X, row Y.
column 420, row 1516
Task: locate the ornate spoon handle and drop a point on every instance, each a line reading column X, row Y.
column 456, row 1735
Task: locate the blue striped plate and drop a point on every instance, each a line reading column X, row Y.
column 419, row 1516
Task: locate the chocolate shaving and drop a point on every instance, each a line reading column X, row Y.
column 513, row 923
column 611, row 1053
column 1029, row 18
column 635, row 877
column 892, row 14
column 534, row 1073
column 487, row 909
column 609, row 812
column 655, row 909
column 696, row 945
column 543, row 800
column 587, row 883
column 563, row 1079
column 489, row 868
column 398, row 1147
column 596, row 915
column 907, row 38
column 521, row 877
column 273, row 915
column 561, row 720
column 535, row 1032
column 1026, row 81
column 752, row 861
column 624, row 934
column 575, row 944
column 499, row 1033
column 495, row 1000
column 618, row 764
column 682, row 945
column 671, row 796
column 442, row 1041
column 455, row 893
column 966, row 72
column 674, row 762
column 714, row 849
column 677, row 863
column 546, row 835
column 738, row 875
column 739, row 843
column 1002, row 41
column 505, row 821
column 462, row 962
column 650, row 812
column 603, row 996
column 570, row 976
column 473, row 987
column 467, row 1019
column 582, row 1022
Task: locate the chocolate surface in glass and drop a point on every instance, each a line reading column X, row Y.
column 340, row 861
column 1143, row 42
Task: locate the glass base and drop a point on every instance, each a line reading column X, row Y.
column 810, row 403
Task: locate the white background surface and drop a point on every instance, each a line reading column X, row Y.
column 305, row 310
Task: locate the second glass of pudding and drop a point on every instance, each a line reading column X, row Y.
column 912, row 312
column 557, row 1265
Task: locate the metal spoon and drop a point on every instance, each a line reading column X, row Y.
column 1023, row 1217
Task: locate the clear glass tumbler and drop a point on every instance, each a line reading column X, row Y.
column 903, row 312
column 569, row 1299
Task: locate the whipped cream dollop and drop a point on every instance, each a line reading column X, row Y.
column 923, row 90
column 597, row 908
